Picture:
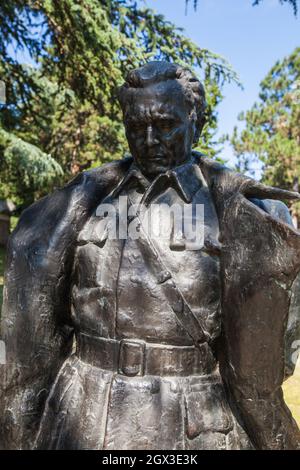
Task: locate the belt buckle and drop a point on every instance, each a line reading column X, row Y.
column 131, row 357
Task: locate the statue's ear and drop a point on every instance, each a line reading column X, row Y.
column 195, row 127
column 199, row 124
column 197, row 134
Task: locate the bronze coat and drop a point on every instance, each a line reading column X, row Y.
column 260, row 258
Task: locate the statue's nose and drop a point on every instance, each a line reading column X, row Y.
column 151, row 136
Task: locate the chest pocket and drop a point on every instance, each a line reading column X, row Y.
column 96, row 231
column 192, row 234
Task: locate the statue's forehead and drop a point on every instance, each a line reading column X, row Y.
column 165, row 96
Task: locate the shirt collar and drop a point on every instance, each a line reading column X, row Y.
column 186, row 179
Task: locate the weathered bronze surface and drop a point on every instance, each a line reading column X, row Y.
column 176, row 347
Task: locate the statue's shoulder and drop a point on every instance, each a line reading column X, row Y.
column 66, row 208
column 275, row 208
column 224, row 181
column 107, row 174
column 214, row 171
column 208, row 163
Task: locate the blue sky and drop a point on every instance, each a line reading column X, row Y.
column 251, row 38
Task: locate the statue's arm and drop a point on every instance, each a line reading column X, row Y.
column 292, row 337
column 260, row 261
column 35, row 326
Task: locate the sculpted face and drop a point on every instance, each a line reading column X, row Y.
column 160, row 127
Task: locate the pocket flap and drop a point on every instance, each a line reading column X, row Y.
column 207, row 410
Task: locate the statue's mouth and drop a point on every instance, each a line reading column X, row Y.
column 156, row 157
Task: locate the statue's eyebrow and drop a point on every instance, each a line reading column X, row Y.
column 134, row 119
column 166, row 116
column 165, row 113
column 138, row 115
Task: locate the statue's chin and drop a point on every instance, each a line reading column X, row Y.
column 152, row 174
column 151, row 171
column 152, row 167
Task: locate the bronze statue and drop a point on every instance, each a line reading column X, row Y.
column 177, row 347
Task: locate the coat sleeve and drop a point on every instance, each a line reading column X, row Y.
column 260, row 261
column 292, row 336
column 35, row 329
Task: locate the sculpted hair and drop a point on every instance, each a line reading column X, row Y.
column 160, row 71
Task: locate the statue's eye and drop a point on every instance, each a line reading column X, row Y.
column 137, row 126
column 166, row 124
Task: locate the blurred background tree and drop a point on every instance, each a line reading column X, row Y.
column 271, row 136
column 62, row 113
column 293, row 3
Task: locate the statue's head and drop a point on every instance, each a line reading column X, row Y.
column 164, row 112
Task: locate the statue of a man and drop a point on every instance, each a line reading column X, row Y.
column 178, row 345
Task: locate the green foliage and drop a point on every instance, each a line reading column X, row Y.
column 65, row 103
column 293, row 3
column 272, row 132
column 26, row 169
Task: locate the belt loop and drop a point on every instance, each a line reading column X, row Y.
column 132, row 357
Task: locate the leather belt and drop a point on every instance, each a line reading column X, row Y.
column 133, row 357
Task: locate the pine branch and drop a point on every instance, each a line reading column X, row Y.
column 293, row 3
